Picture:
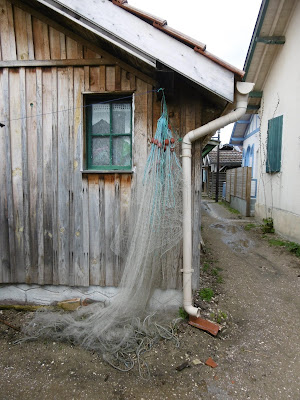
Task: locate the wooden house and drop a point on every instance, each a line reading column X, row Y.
column 229, row 157
column 61, row 196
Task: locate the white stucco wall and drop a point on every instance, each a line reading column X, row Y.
column 251, row 144
column 279, row 193
column 251, row 139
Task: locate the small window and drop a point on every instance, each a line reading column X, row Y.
column 108, row 133
column 247, row 159
column 273, row 162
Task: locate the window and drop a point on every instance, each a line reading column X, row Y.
column 252, row 159
column 247, row 159
column 108, row 133
column 273, row 162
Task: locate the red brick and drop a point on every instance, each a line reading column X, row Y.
column 211, row 363
column 205, row 325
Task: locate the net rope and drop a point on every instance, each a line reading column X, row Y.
column 127, row 328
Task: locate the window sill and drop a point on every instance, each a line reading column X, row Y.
column 116, row 171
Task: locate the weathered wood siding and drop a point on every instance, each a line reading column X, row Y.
column 212, row 183
column 57, row 223
column 25, row 37
column 238, row 184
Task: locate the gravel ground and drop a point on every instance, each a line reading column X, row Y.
column 255, row 299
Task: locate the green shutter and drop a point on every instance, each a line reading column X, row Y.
column 274, row 141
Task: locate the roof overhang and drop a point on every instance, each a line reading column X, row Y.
column 126, row 36
column 268, row 37
column 209, row 147
column 239, row 130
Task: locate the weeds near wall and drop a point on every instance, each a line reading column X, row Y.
column 182, row 313
column 292, row 247
column 232, row 210
column 268, row 225
column 249, row 226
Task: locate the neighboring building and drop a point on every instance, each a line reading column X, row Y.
column 245, row 134
column 273, row 63
column 229, row 157
column 65, row 189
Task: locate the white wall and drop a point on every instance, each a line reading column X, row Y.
column 251, row 139
column 279, row 193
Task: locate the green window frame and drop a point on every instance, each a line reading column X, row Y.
column 274, row 143
column 108, row 133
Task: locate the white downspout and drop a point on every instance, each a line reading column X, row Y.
column 242, row 91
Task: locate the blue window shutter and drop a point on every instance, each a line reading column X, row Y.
column 274, row 142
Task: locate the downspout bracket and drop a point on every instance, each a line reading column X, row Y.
column 187, row 271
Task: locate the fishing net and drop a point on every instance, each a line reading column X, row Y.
column 127, row 328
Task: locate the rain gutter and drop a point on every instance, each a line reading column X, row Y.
column 256, row 33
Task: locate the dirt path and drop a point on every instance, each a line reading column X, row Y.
column 261, row 292
column 258, row 351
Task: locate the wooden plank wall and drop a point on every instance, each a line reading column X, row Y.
column 212, row 183
column 57, row 223
column 238, row 183
column 24, row 37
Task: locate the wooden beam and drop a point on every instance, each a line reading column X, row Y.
column 253, row 107
column 270, row 39
column 256, row 94
column 55, row 63
column 243, row 122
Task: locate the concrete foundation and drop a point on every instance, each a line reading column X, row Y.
column 286, row 223
column 47, row 295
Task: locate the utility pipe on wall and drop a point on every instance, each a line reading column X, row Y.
column 242, row 91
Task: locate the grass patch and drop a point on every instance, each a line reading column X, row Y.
column 268, row 226
column 232, row 210
column 219, row 317
column 182, row 313
column 206, row 266
column 248, row 227
column 292, row 247
column 277, row 242
column 206, row 294
column 216, row 273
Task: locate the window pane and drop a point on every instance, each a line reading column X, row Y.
column 122, row 151
column 100, row 151
column 121, row 118
column 100, row 118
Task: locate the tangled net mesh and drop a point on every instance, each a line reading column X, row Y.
column 125, row 329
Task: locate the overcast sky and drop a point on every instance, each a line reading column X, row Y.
column 225, row 26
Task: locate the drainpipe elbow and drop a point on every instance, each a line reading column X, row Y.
column 186, row 141
column 191, row 310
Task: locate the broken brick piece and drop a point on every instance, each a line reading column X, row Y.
column 211, row 363
column 204, row 324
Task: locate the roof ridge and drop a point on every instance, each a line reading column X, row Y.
column 162, row 25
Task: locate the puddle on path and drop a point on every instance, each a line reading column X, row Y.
column 234, row 236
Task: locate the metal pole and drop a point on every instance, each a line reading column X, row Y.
column 218, row 167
